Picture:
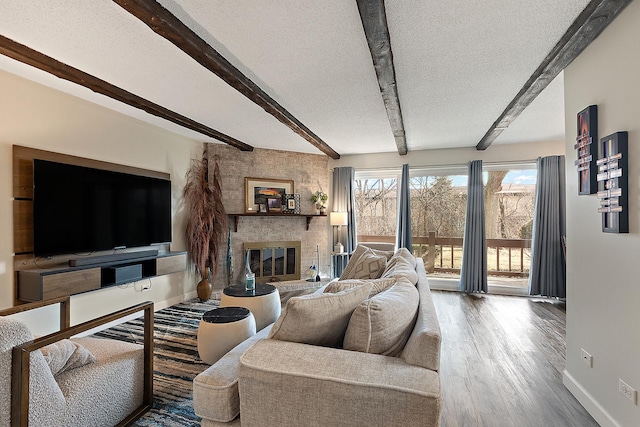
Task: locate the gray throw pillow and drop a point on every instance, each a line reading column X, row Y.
column 318, row 319
column 347, row 273
column 369, row 266
column 377, row 285
column 382, row 324
column 401, row 266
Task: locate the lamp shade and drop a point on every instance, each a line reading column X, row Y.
column 338, row 218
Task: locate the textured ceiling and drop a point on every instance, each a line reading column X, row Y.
column 458, row 64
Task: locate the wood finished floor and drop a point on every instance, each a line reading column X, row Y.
column 502, row 361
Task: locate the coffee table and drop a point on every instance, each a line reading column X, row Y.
column 222, row 329
column 263, row 302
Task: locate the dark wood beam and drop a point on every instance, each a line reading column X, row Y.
column 171, row 28
column 374, row 22
column 588, row 25
column 43, row 62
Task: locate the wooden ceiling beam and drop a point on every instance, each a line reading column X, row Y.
column 374, row 22
column 161, row 21
column 28, row 56
column 588, row 25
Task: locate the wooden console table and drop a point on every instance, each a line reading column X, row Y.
column 47, row 283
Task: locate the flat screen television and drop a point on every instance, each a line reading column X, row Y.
column 81, row 209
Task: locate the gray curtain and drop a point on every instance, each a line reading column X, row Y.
column 343, row 197
column 548, row 263
column 403, row 230
column 473, row 276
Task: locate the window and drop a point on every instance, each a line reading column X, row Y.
column 376, row 208
column 438, row 205
column 509, row 204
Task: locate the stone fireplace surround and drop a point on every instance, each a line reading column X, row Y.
column 309, row 172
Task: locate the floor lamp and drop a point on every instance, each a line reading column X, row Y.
column 338, row 219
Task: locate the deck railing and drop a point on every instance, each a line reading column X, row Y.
column 505, row 257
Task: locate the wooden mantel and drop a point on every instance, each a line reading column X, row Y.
column 309, row 217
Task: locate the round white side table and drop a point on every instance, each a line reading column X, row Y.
column 222, row 329
column 263, row 302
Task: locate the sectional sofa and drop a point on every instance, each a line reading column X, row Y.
column 363, row 350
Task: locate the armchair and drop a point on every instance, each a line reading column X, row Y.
column 114, row 390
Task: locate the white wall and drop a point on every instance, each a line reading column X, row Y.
column 35, row 116
column 603, row 285
column 455, row 156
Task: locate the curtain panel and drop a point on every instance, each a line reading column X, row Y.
column 548, row 262
column 403, row 229
column 473, row 275
column 343, row 196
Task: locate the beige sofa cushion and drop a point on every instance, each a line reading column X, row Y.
column 377, row 285
column 383, row 323
column 215, row 391
column 64, row 355
column 423, row 346
column 318, row 318
column 353, row 261
column 402, row 264
column 292, row 384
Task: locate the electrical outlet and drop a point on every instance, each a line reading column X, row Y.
column 586, row 358
column 628, row 391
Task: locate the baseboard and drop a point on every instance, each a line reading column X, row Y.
column 444, row 284
column 440, row 284
column 587, row 401
column 156, row 307
column 173, row 301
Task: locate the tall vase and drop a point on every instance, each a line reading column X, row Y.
column 204, row 289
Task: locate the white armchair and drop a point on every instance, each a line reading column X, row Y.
column 116, row 389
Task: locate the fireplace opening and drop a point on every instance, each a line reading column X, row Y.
column 274, row 261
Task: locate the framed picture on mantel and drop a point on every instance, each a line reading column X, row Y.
column 259, row 190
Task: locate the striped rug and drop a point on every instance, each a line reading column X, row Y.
column 176, row 361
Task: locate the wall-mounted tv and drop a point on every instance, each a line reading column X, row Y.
column 81, row 209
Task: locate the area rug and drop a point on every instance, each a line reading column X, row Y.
column 176, row 361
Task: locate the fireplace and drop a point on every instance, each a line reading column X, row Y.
column 274, row 261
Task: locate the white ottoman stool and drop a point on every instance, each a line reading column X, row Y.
column 222, row 329
column 264, row 302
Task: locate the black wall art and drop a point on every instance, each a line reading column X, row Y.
column 586, row 140
column 613, row 183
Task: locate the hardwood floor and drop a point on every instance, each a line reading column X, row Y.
column 502, row 361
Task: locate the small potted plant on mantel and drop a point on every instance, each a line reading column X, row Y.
column 319, row 198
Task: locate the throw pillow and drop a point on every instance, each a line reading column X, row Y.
column 407, row 255
column 65, row 354
column 399, row 266
column 377, row 285
column 382, row 324
column 347, row 273
column 318, row 319
column 369, row 266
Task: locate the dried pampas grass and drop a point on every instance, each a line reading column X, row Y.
column 207, row 218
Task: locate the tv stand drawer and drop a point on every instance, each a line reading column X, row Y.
column 36, row 285
column 171, row 264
